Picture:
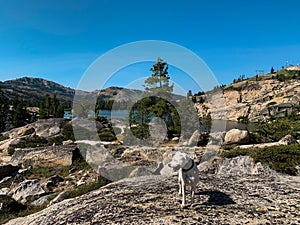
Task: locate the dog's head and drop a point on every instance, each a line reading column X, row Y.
column 179, row 160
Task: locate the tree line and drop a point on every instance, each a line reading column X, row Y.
column 17, row 112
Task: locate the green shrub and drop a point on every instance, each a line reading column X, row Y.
column 275, row 130
column 41, row 172
column 11, row 150
column 243, row 119
column 235, row 153
column 67, row 131
column 228, row 146
column 2, row 138
column 280, row 158
column 10, row 208
column 107, row 136
column 255, row 137
column 7, row 183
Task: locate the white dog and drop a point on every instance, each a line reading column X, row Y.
column 188, row 174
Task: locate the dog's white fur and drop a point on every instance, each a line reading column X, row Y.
column 188, row 174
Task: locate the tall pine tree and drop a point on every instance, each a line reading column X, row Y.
column 157, row 105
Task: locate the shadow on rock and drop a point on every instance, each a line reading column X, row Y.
column 217, row 198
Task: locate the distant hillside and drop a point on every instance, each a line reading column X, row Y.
column 118, row 94
column 34, row 89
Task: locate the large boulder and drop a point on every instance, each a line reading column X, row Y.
column 236, row 136
column 25, row 190
column 51, row 156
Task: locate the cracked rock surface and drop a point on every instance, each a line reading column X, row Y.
column 220, row 199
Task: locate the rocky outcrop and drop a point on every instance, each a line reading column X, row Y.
column 153, row 200
column 25, row 190
column 44, row 129
column 41, row 128
column 254, row 100
column 236, row 136
column 241, row 165
column 43, row 157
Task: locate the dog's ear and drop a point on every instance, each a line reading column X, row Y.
column 185, row 157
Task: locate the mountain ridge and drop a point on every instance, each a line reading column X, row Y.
column 33, row 90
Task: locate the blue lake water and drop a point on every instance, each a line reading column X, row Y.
column 218, row 124
column 115, row 114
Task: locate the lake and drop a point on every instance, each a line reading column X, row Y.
column 218, row 124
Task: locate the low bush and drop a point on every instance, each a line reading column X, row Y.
column 2, row 138
column 107, row 136
column 10, row 150
column 275, row 130
column 7, row 183
column 67, row 131
column 280, row 158
column 235, row 153
column 9, row 208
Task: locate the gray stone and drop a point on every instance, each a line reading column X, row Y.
column 236, row 166
column 27, row 188
column 195, row 138
column 288, row 140
column 41, row 201
column 67, row 142
column 63, row 195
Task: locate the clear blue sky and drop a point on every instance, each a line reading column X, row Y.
column 58, row 39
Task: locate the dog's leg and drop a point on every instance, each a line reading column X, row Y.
column 179, row 183
column 183, row 194
column 193, row 193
